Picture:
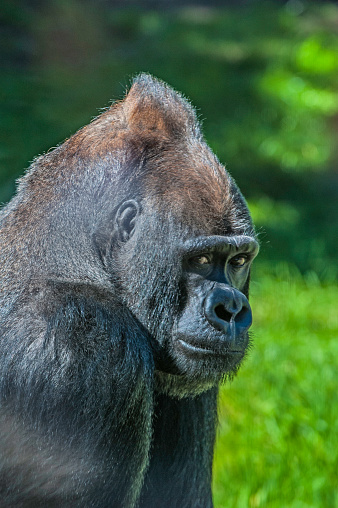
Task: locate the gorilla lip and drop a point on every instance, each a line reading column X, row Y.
column 205, row 351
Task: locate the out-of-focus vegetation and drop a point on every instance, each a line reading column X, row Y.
column 265, row 80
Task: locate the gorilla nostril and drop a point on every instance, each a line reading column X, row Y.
column 222, row 313
column 228, row 311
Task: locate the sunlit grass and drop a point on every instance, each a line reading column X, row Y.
column 278, row 439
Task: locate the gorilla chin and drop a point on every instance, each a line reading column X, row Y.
column 194, row 367
column 194, row 373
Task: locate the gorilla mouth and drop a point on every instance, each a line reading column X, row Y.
column 204, row 350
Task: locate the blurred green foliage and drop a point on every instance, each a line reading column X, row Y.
column 265, row 78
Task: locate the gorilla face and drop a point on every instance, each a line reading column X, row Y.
column 210, row 335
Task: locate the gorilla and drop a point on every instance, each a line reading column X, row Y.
column 124, row 276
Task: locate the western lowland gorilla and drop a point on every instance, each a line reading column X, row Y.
column 124, row 272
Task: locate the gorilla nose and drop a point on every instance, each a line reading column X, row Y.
column 228, row 310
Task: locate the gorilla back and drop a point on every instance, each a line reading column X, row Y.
column 124, row 266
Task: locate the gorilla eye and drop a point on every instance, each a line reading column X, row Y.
column 201, row 261
column 238, row 261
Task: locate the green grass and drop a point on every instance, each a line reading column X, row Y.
column 278, row 438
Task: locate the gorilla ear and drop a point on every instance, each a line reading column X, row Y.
column 125, row 219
